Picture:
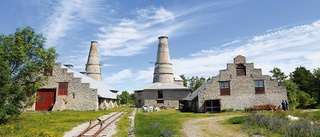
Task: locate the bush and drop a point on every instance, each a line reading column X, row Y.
column 237, row 120
column 227, row 110
column 283, row 126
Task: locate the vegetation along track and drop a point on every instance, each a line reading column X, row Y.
column 98, row 128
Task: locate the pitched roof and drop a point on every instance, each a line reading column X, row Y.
column 158, row 85
column 194, row 94
column 104, row 90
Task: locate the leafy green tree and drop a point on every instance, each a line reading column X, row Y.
column 305, row 100
column 304, row 79
column 125, row 98
column 296, row 97
column 195, row 82
column 185, row 81
column 278, row 75
column 23, row 57
column 293, row 91
column 316, row 74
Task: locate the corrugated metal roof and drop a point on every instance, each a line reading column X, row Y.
column 104, row 90
column 169, row 85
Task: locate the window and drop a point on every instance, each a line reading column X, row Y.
column 224, row 87
column 160, row 94
column 259, row 86
column 139, row 101
column 47, row 72
column 241, row 70
column 63, row 88
column 160, row 101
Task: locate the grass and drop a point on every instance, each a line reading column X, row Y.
column 49, row 124
column 123, row 124
column 166, row 122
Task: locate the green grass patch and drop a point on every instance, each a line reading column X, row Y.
column 123, row 124
column 166, row 122
column 237, row 120
column 49, row 124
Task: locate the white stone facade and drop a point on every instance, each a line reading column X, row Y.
column 242, row 88
column 79, row 97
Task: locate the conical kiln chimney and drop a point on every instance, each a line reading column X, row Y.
column 93, row 69
column 163, row 72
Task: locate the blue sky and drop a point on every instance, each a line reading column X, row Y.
column 204, row 35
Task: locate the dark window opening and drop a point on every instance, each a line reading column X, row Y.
column 160, row 101
column 224, row 88
column 160, row 94
column 241, row 70
column 212, row 106
column 139, row 101
column 63, row 88
column 259, row 86
column 47, row 72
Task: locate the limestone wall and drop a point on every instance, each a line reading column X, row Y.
column 80, row 96
column 170, row 98
column 242, row 89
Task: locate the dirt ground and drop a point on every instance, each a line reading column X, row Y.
column 210, row 127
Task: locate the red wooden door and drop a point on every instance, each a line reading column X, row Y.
column 46, row 99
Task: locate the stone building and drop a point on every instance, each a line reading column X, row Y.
column 70, row 90
column 166, row 89
column 237, row 87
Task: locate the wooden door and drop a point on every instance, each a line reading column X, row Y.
column 46, row 99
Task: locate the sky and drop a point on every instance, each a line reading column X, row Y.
column 203, row 35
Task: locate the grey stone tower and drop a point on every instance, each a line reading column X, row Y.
column 163, row 72
column 93, row 69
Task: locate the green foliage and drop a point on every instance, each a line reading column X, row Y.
column 316, row 93
column 305, row 100
column 237, row 120
column 278, row 75
column 227, row 110
column 195, row 82
column 125, row 98
column 185, row 81
column 293, row 91
column 267, row 124
column 304, row 79
column 22, row 59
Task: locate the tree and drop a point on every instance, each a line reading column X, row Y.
column 316, row 75
column 125, row 98
column 304, row 79
column 195, row 82
column 296, row 97
column 23, row 57
column 185, row 81
column 278, row 75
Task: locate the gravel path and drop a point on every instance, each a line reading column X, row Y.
column 208, row 127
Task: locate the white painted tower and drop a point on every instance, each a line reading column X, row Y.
column 93, row 69
column 163, row 72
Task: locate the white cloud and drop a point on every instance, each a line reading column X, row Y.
column 119, row 77
column 131, row 36
column 286, row 49
column 66, row 16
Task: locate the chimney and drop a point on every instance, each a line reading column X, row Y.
column 93, row 67
column 163, row 72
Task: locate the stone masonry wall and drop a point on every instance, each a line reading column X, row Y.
column 242, row 88
column 80, row 96
column 170, row 98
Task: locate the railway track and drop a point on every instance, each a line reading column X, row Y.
column 99, row 127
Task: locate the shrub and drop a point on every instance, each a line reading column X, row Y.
column 237, row 120
column 280, row 125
